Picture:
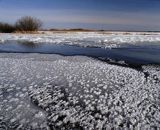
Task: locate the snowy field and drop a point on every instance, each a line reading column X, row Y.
column 84, row 39
column 55, row 92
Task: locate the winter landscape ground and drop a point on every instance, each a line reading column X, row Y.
column 59, row 92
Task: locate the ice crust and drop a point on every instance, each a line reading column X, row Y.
column 55, row 92
column 92, row 39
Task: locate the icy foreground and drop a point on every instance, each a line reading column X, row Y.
column 92, row 39
column 55, row 92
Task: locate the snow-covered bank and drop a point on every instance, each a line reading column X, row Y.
column 94, row 39
column 75, row 92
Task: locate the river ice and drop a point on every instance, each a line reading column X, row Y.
column 92, row 39
column 54, row 92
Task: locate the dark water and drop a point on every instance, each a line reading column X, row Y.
column 130, row 54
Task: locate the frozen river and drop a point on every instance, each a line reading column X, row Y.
column 59, row 86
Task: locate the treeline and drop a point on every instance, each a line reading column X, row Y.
column 24, row 24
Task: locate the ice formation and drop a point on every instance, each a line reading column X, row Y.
column 93, row 39
column 55, row 92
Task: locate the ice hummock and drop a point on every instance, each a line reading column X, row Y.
column 55, row 92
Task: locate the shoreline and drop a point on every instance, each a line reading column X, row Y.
column 90, row 31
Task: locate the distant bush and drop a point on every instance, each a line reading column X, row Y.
column 6, row 28
column 27, row 23
column 24, row 24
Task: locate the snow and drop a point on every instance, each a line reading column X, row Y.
column 92, row 39
column 55, row 92
column 153, row 71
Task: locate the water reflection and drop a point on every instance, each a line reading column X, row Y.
column 28, row 44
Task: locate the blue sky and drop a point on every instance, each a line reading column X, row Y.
column 93, row 14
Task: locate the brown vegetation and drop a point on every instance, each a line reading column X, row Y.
column 28, row 23
column 25, row 24
column 73, row 30
column 6, row 28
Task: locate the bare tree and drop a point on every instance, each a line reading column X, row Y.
column 28, row 23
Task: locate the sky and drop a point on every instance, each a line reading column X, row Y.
column 131, row 15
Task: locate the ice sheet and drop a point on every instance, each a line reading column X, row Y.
column 52, row 91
